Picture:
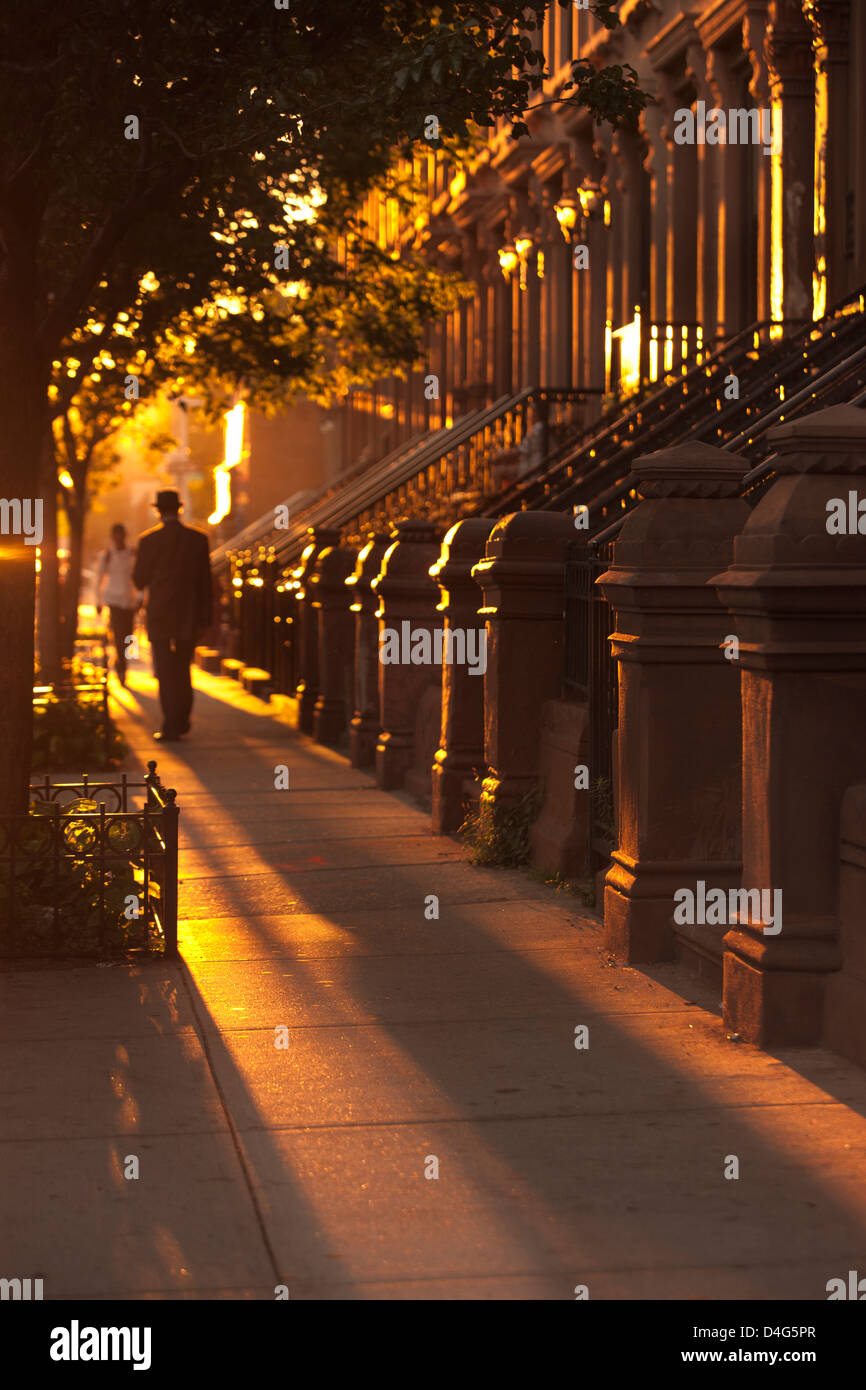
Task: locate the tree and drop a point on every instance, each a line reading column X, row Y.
column 188, row 142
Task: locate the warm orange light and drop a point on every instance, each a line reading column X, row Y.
column 234, row 448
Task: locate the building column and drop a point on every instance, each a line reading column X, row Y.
column 734, row 165
column 831, row 25
column 754, row 46
column 364, row 725
column 797, row 595
column 461, row 747
column 709, row 193
column 336, row 642
column 307, row 648
column 792, row 87
column 407, row 606
column 523, row 580
column 678, row 753
column 653, row 121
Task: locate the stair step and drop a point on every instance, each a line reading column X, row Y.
column 253, row 679
column 208, row 659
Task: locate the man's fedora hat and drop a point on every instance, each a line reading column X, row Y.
column 168, row 501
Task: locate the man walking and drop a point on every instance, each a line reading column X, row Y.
column 114, row 588
column 174, row 566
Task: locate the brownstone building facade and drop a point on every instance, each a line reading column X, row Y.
column 686, row 244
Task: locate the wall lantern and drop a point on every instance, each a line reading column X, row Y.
column 517, row 254
column 507, row 260
column 566, row 216
column 523, row 245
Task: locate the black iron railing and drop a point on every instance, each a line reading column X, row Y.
column 443, row 475
column 87, row 874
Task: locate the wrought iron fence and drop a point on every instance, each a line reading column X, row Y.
column 84, row 679
column 85, row 873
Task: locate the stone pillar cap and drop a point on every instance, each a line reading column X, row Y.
column 462, row 547
column 414, row 529
column 689, row 470
column 827, row 441
column 331, row 567
column 402, row 565
column 526, row 535
column 369, row 559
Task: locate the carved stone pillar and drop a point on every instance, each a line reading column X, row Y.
column 307, row 687
column 798, row 598
column 523, row 579
column 831, row 26
column 653, row 122
column 754, row 40
column 792, row 85
column 336, row 642
column 407, row 608
column 679, row 717
column 734, row 175
column 461, row 748
column 709, row 196
column 364, row 726
column 682, row 200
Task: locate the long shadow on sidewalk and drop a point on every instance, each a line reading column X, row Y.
column 609, row 1169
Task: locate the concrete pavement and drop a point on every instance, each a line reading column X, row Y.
column 416, row 1044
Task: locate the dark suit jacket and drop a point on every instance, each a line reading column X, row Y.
column 173, row 564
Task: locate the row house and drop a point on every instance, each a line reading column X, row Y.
column 649, row 404
column 686, row 243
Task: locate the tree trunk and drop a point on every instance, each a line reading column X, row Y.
column 75, row 512
column 23, row 391
column 49, row 582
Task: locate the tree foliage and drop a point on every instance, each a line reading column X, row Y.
column 154, row 154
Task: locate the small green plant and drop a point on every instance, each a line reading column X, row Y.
column 601, row 792
column 500, row 838
column 55, row 891
column 70, row 733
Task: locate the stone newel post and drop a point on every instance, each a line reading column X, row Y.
column 364, row 726
column 336, row 642
column 307, row 650
column 523, row 579
column 407, row 606
column 798, row 596
column 679, row 714
column 461, row 748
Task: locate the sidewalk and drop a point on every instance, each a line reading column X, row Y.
column 409, row 1040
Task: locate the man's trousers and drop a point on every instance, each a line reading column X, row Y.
column 122, row 620
column 172, row 657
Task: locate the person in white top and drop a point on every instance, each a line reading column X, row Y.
column 115, row 589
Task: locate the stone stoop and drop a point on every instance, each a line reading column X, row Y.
column 208, row 659
column 256, row 681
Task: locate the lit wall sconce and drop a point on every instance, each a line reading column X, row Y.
column 234, row 452
column 507, row 261
column 589, row 197
column 566, row 216
column 523, row 246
